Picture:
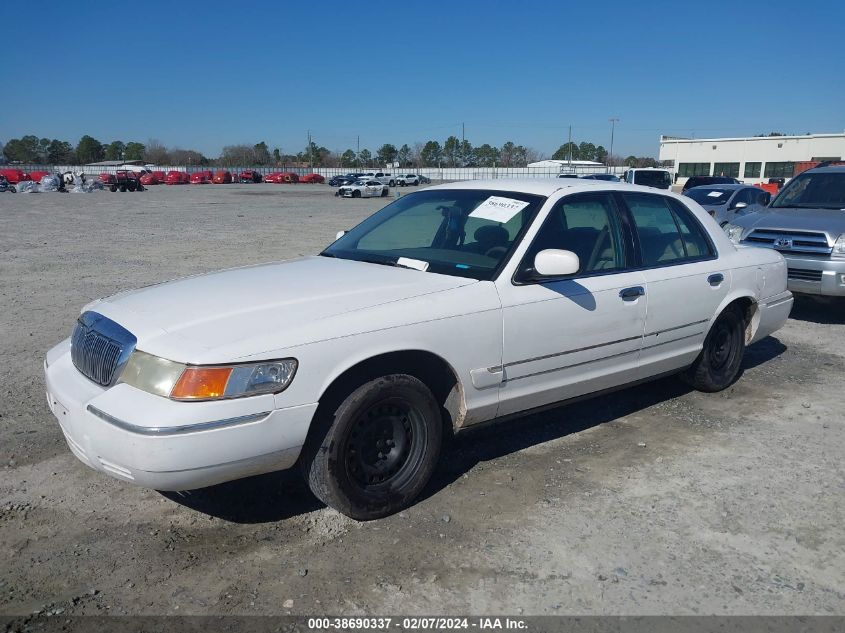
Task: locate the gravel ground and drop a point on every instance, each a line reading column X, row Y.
column 657, row 500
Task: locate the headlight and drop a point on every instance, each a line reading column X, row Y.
column 188, row 382
column 733, row 232
column 839, row 246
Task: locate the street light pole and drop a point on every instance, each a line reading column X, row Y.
column 310, row 157
column 613, row 121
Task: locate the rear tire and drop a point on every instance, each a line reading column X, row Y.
column 378, row 450
column 384, row 193
column 717, row 366
column 392, row 183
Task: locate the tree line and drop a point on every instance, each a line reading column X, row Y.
column 453, row 152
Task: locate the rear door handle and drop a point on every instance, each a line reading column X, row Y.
column 715, row 279
column 629, row 294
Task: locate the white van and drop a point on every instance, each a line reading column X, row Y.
column 650, row 177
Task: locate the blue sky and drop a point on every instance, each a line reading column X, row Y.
column 207, row 74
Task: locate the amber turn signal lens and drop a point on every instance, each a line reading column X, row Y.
column 199, row 383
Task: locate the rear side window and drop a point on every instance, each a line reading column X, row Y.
column 666, row 231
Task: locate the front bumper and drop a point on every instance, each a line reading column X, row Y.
column 815, row 275
column 158, row 443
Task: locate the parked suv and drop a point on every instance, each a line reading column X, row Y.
column 806, row 224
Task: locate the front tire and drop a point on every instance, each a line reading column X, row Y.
column 717, row 366
column 380, row 449
column 356, row 194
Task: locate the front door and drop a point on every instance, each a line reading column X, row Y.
column 569, row 336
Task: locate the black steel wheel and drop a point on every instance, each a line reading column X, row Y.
column 717, row 366
column 374, row 454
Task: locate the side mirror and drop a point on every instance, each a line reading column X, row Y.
column 339, row 235
column 553, row 262
column 739, row 206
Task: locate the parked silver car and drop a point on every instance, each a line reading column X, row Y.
column 806, row 223
column 727, row 202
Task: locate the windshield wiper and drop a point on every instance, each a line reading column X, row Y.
column 382, row 262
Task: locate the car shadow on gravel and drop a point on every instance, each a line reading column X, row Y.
column 260, row 499
column 282, row 495
column 497, row 440
column 827, row 311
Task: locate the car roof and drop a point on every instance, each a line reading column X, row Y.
column 545, row 187
column 830, row 169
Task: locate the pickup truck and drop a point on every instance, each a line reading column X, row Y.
column 382, row 177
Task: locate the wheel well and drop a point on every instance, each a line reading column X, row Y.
column 430, row 368
column 748, row 309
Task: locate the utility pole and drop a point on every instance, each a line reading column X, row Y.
column 310, row 157
column 613, row 121
column 358, row 153
column 463, row 140
column 569, row 144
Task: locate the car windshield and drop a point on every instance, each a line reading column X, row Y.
column 654, row 178
column 460, row 232
column 819, row 190
column 709, row 195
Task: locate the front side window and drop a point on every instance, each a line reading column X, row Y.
column 666, row 235
column 587, row 225
column 460, row 232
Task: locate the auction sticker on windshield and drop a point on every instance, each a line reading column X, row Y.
column 498, row 209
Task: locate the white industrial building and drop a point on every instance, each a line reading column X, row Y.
column 752, row 159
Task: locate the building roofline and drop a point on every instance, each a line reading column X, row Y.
column 677, row 139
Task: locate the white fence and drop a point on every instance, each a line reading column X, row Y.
column 435, row 173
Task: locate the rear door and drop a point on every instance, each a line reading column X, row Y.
column 684, row 278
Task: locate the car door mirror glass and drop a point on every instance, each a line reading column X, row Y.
column 739, row 206
column 554, row 262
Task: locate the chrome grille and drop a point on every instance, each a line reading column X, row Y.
column 99, row 348
column 790, row 241
column 803, row 274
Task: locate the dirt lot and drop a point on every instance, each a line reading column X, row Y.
column 654, row 500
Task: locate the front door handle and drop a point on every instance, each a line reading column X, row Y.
column 630, row 294
column 715, row 279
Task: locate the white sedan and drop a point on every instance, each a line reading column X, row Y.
column 453, row 306
column 363, row 189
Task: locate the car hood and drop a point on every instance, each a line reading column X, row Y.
column 224, row 315
column 830, row 221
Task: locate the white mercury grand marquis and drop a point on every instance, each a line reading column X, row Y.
column 452, row 306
